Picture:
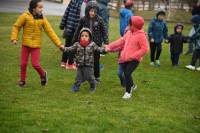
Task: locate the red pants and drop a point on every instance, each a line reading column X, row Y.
column 35, row 58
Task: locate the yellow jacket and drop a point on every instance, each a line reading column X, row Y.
column 32, row 30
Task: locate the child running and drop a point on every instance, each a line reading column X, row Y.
column 33, row 22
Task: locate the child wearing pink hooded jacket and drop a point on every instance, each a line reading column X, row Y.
column 133, row 46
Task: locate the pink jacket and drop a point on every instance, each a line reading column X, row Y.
column 133, row 46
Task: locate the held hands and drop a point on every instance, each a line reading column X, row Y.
column 62, row 47
column 14, row 42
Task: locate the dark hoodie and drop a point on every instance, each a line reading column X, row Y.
column 96, row 26
column 84, row 56
column 176, row 40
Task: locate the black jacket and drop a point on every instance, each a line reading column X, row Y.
column 176, row 41
column 96, row 25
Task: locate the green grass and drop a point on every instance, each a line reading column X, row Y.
column 167, row 99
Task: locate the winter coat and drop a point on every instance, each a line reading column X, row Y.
column 32, row 30
column 196, row 36
column 133, row 45
column 84, row 56
column 157, row 30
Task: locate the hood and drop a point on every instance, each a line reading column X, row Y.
column 87, row 30
column 178, row 25
column 90, row 5
column 137, row 21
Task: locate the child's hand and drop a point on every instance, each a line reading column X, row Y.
column 152, row 40
column 14, row 42
column 62, row 47
column 107, row 49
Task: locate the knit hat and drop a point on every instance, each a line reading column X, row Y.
column 128, row 3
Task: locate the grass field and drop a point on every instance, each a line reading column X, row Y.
column 167, row 99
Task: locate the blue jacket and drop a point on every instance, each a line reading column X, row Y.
column 71, row 17
column 125, row 15
column 157, row 30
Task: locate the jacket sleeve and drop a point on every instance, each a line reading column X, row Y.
column 17, row 26
column 143, row 44
column 150, row 29
column 50, row 32
column 104, row 31
column 77, row 32
column 165, row 30
column 116, row 45
column 185, row 39
column 71, row 48
column 65, row 16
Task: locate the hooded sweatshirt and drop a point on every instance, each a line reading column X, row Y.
column 133, row 45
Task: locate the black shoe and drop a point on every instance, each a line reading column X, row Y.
column 22, row 83
column 44, row 79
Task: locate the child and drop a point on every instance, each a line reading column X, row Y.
column 84, row 53
column 196, row 40
column 157, row 31
column 125, row 15
column 69, row 23
column 176, row 41
column 33, row 22
column 133, row 46
column 98, row 29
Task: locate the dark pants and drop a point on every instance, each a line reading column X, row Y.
column 85, row 74
column 128, row 68
column 96, row 65
column 68, row 56
column 175, row 58
column 195, row 56
column 156, row 49
column 120, row 74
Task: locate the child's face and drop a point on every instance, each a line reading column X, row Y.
column 39, row 8
column 85, row 36
column 178, row 30
column 92, row 13
column 161, row 17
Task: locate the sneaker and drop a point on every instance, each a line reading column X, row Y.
column 190, row 67
column 97, row 80
column 75, row 88
column 44, row 79
column 198, row 68
column 127, row 95
column 71, row 67
column 152, row 64
column 62, row 65
column 21, row 83
column 157, row 63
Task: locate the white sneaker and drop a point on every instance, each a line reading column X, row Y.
column 127, row 95
column 198, row 68
column 152, row 64
column 190, row 67
column 157, row 62
column 133, row 88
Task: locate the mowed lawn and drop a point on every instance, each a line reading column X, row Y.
column 167, row 99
